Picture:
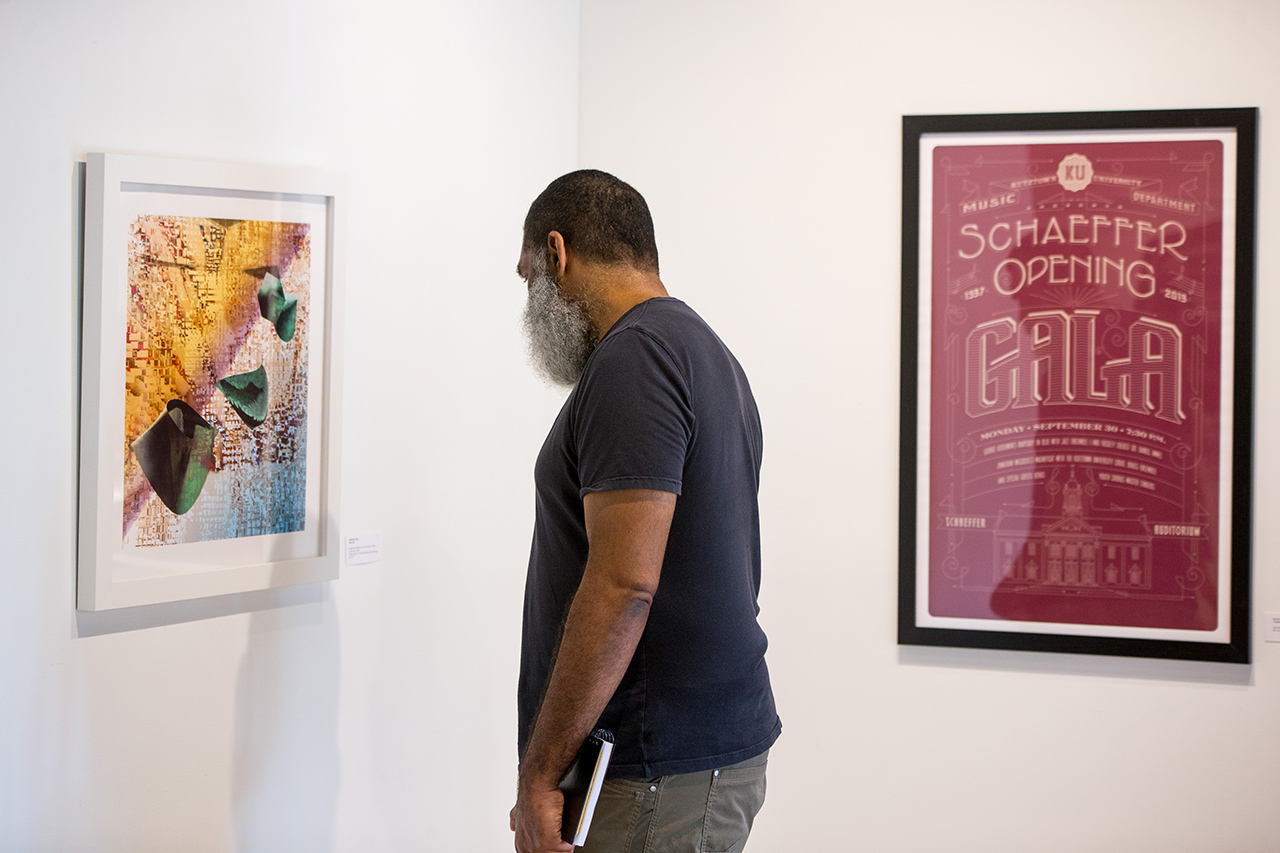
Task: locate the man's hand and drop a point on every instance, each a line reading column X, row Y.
column 535, row 819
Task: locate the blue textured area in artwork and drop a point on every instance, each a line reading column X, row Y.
column 274, row 500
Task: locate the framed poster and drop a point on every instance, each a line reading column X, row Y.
column 1077, row 380
column 210, row 380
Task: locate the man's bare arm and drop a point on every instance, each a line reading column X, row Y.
column 627, row 538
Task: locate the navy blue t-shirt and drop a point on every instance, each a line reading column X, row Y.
column 662, row 405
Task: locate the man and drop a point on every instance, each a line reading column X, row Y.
column 640, row 601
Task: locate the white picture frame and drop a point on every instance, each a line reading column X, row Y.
column 141, row 260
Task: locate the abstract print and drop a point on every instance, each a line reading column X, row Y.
column 216, row 367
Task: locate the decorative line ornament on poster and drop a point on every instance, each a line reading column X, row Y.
column 211, row 380
column 1078, row 328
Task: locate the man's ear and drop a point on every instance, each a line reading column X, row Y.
column 557, row 255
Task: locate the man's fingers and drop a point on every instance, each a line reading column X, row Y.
column 551, row 830
column 536, row 822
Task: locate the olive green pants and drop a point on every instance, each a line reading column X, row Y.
column 706, row 812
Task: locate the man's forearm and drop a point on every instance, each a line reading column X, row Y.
column 626, row 540
column 601, row 633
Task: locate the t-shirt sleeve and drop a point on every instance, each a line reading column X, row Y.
column 634, row 419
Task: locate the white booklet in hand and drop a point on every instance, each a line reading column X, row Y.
column 581, row 786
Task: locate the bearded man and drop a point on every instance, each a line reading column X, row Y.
column 640, row 600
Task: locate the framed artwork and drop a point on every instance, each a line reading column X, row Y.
column 210, row 380
column 1077, row 381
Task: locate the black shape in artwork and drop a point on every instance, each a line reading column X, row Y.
column 176, row 455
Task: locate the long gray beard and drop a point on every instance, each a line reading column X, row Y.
column 558, row 332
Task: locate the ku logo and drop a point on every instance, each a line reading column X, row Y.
column 1075, row 172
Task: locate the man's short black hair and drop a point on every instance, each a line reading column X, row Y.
column 601, row 218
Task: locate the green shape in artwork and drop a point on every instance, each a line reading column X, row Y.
column 278, row 309
column 176, row 455
column 247, row 394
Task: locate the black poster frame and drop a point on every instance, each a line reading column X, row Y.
column 1244, row 123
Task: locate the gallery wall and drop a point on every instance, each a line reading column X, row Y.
column 377, row 712
column 767, row 137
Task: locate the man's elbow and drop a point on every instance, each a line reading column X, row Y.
column 629, row 589
column 632, row 596
column 640, row 601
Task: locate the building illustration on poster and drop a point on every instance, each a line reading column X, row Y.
column 1071, row 552
column 1075, row 382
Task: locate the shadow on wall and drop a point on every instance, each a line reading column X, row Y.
column 285, row 769
column 285, row 766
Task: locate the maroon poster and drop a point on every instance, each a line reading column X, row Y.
column 1075, row 378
